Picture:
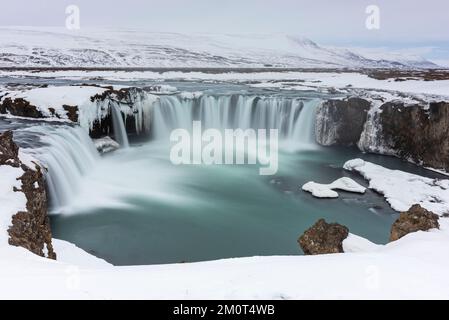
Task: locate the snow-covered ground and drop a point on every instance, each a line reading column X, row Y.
column 401, row 189
column 59, row 47
column 413, row 267
column 54, row 97
column 287, row 80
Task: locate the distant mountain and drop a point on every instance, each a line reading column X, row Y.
column 51, row 47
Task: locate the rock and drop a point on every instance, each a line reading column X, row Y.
column 415, row 219
column 323, row 238
column 417, row 133
column 341, row 122
column 9, row 151
column 29, row 229
column 19, row 107
column 72, row 112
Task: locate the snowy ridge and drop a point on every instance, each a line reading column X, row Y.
column 57, row 47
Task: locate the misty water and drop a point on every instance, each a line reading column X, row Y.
column 133, row 206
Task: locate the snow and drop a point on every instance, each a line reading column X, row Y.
column 190, row 95
column 402, row 189
column 413, row 267
column 106, row 144
column 355, row 243
column 288, row 80
column 56, row 97
column 326, row 190
column 59, row 47
column 11, row 202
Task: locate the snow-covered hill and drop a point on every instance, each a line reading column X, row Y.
column 57, row 47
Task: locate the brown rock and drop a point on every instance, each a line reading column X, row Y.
column 415, row 219
column 417, row 133
column 72, row 112
column 323, row 238
column 19, row 107
column 29, row 229
column 9, row 151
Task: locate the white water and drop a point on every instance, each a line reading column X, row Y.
column 294, row 118
column 69, row 154
column 118, row 124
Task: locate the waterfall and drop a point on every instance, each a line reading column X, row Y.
column 118, row 124
column 293, row 117
column 69, row 154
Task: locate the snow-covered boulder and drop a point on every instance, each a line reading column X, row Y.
column 326, row 190
column 106, row 144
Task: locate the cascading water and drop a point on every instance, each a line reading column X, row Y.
column 69, row 154
column 119, row 126
column 294, row 118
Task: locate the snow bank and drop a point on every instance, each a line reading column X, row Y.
column 414, row 267
column 326, row 190
column 56, row 97
column 402, row 189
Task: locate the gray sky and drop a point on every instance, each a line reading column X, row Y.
column 404, row 23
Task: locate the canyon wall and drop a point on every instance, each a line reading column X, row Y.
column 418, row 133
column 29, row 228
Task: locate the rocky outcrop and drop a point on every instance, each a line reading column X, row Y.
column 9, row 151
column 416, row 133
column 29, row 229
column 19, row 107
column 323, row 238
column 415, row 219
column 341, row 122
column 72, row 112
column 130, row 102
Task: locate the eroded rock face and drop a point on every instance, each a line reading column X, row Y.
column 9, row 151
column 415, row 219
column 29, row 229
column 323, row 238
column 417, row 133
column 341, row 122
column 72, row 112
column 19, row 107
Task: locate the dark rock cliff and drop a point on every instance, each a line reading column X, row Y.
column 29, row 229
column 417, row 133
column 341, row 122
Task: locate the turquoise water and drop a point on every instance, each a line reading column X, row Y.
column 138, row 208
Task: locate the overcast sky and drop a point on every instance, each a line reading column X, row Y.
column 403, row 23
